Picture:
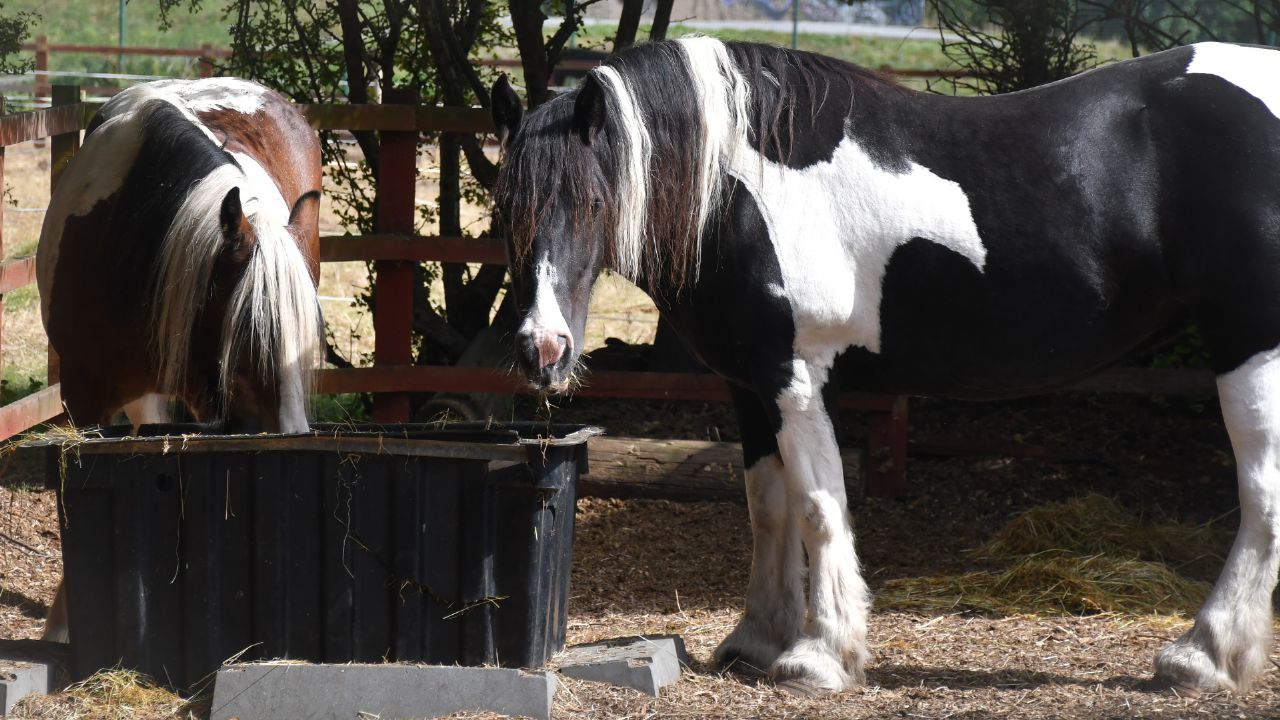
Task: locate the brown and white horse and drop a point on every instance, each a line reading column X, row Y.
column 179, row 258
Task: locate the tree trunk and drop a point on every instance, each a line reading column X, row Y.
column 628, row 24
column 526, row 22
column 661, row 20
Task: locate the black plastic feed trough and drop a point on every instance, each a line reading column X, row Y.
column 350, row 544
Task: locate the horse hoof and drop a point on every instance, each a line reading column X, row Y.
column 802, row 688
column 740, row 665
column 747, row 650
column 812, row 663
column 1161, row 684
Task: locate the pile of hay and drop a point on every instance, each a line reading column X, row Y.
column 1083, row 556
column 114, row 694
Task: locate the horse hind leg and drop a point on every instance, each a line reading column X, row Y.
column 1228, row 647
column 56, row 628
column 774, row 613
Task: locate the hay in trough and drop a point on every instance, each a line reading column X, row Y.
column 1079, row 557
column 114, row 694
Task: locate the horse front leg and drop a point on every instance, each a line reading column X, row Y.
column 774, row 613
column 831, row 652
column 1230, row 643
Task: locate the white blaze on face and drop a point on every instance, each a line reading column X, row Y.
column 834, row 227
column 1252, row 69
column 545, row 323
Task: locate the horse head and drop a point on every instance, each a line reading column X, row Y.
column 553, row 198
column 261, row 313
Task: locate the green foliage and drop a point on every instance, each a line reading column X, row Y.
column 15, row 28
column 97, row 23
column 16, row 388
column 1188, row 350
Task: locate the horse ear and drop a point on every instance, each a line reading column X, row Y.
column 237, row 233
column 589, row 109
column 506, row 109
column 310, row 199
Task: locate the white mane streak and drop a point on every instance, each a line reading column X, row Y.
column 723, row 96
column 633, row 182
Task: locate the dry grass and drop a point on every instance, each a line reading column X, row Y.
column 1096, row 524
column 114, row 694
column 1053, row 584
column 1086, row 555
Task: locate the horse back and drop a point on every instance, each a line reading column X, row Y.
column 1113, row 208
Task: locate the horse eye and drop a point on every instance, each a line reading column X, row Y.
column 596, row 205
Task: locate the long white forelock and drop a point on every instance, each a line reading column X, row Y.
column 275, row 292
column 279, row 301
column 723, row 96
column 633, row 182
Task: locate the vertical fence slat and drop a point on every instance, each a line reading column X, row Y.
column 205, row 62
column 2, row 113
column 393, row 281
column 62, row 148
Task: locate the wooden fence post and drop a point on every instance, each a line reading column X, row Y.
column 42, row 68
column 885, row 463
column 206, row 60
column 393, row 280
column 2, row 204
column 62, row 148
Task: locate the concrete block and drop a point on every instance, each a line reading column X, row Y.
column 28, row 667
column 644, row 663
column 302, row 690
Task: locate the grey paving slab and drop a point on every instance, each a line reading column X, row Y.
column 646, row 664
column 345, row 692
column 28, row 667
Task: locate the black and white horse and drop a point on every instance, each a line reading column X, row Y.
column 798, row 217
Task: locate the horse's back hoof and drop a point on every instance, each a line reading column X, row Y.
column 1164, row 684
column 801, row 687
column 740, row 665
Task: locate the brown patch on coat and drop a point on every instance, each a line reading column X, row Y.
column 282, row 142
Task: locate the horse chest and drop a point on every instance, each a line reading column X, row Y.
column 834, row 227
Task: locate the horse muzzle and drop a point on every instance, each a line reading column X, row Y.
column 547, row 358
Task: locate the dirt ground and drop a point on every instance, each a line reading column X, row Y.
column 654, row 567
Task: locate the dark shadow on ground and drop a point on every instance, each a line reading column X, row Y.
column 892, row 677
column 34, row 609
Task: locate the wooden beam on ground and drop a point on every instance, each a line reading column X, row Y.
column 682, row 470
